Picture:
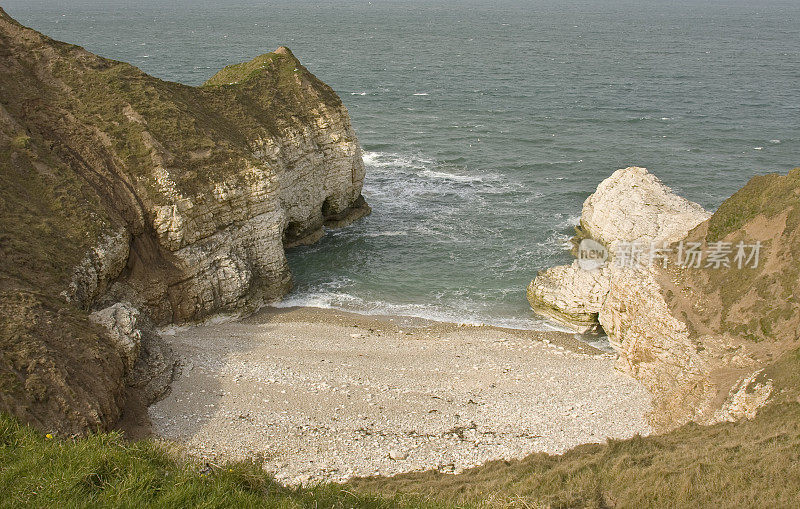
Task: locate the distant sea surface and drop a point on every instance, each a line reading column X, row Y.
column 485, row 125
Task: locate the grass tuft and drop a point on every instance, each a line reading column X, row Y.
column 103, row 470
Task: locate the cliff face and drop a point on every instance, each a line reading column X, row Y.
column 631, row 206
column 177, row 201
column 700, row 339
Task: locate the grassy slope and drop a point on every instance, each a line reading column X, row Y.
column 758, row 304
column 52, row 360
column 752, row 463
column 747, row 464
column 105, row 471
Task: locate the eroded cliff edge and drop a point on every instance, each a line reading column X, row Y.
column 128, row 202
column 704, row 339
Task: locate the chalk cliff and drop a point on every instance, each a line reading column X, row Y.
column 137, row 200
column 630, row 206
column 699, row 338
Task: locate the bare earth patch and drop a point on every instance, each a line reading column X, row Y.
column 325, row 395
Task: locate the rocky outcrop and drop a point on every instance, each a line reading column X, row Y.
column 745, row 398
column 696, row 337
column 632, row 205
column 149, row 361
column 570, row 295
column 656, row 348
column 134, row 200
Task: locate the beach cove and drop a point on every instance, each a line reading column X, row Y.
column 315, row 394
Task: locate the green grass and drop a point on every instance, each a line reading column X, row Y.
column 245, row 71
column 105, row 471
column 766, row 195
column 753, row 463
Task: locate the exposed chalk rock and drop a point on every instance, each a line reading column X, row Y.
column 656, row 348
column 633, row 205
column 150, row 363
column 120, row 321
column 101, row 265
column 570, row 295
column 746, row 397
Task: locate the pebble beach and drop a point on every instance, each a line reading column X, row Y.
column 322, row 395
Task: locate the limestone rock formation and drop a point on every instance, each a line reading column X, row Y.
column 632, row 205
column 178, row 201
column 698, row 338
column 746, row 397
column 656, row 348
column 570, row 295
column 149, row 361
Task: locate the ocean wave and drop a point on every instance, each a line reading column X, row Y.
column 346, row 302
column 450, row 176
column 569, row 222
column 421, row 93
column 406, row 182
column 394, row 233
column 393, row 160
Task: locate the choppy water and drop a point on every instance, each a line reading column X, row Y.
column 486, row 124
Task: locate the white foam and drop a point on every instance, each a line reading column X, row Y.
column 775, row 142
column 358, row 93
column 413, row 178
column 569, row 222
column 758, row 148
column 421, row 93
column 386, row 234
column 345, row 302
column 393, row 160
column 450, row 176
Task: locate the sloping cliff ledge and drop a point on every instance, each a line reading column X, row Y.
column 128, row 202
column 703, row 334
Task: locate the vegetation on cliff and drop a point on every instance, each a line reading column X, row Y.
column 761, row 302
column 752, row 463
column 117, row 186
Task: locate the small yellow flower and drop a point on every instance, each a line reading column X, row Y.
column 49, row 436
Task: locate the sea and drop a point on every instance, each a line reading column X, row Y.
column 486, row 124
